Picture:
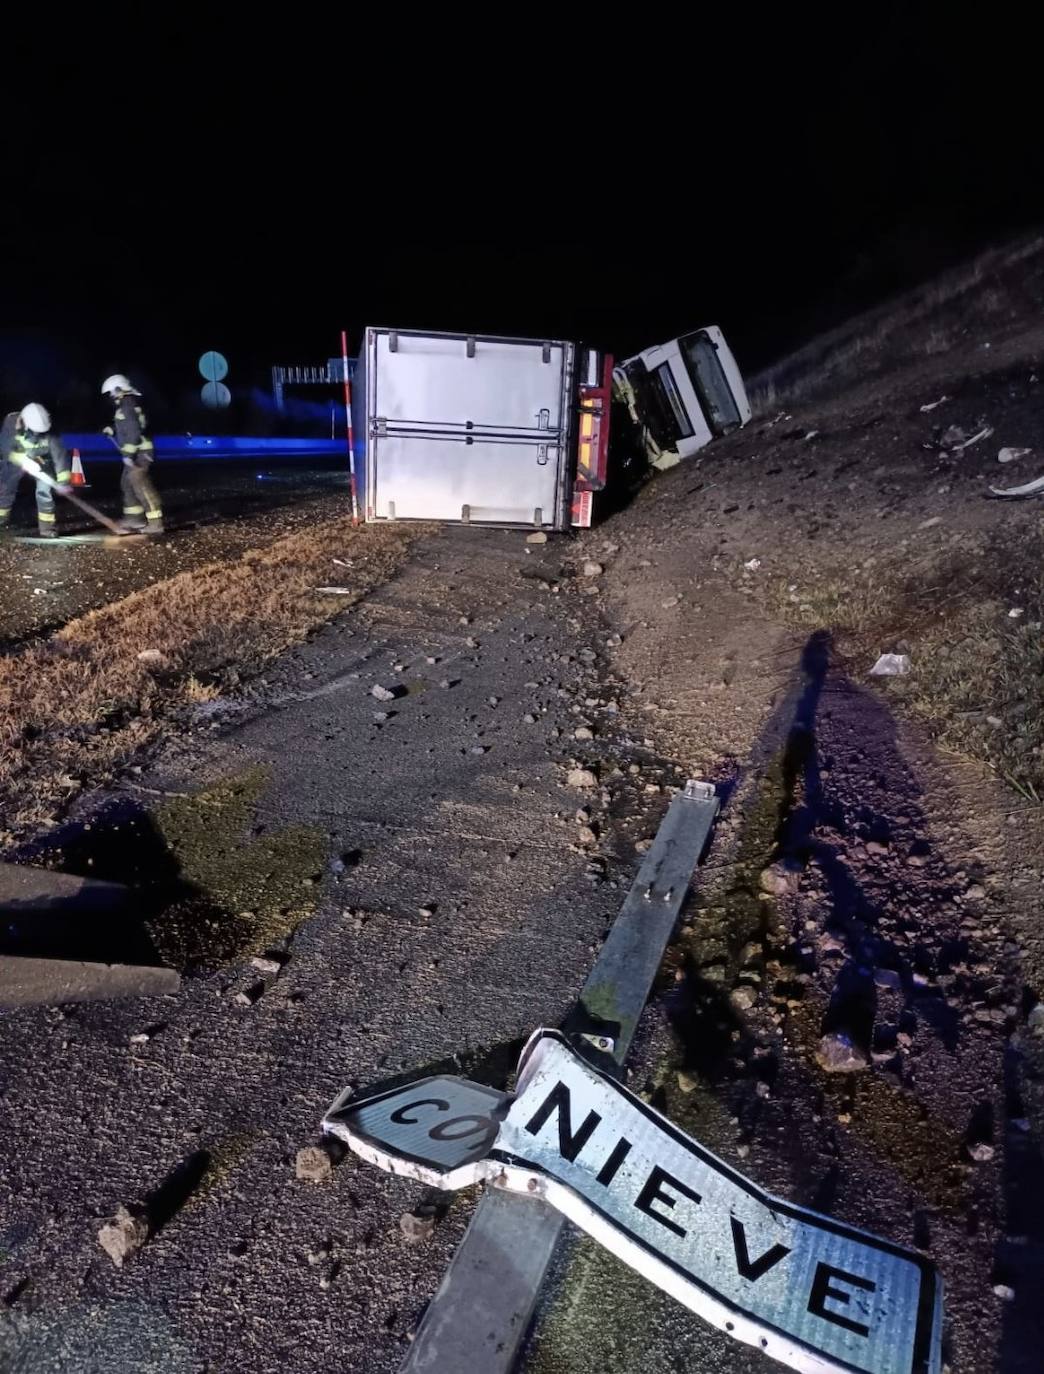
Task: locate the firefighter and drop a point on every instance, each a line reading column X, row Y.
column 27, row 445
column 141, row 503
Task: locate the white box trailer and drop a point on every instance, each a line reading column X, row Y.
column 478, row 429
column 482, row 430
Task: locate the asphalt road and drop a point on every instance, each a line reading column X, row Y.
column 459, row 914
column 212, row 510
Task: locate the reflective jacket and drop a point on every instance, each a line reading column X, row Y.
column 46, row 449
column 129, row 424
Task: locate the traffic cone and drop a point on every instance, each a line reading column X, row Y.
column 78, row 477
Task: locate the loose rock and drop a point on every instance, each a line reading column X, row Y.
column 581, row 777
column 593, row 570
column 838, row 1054
column 313, row 1164
column 743, row 998
column 382, row 693
column 538, row 537
column 415, row 1228
column 123, row 1236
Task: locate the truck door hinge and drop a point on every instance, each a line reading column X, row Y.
column 542, row 454
column 544, row 419
column 380, row 427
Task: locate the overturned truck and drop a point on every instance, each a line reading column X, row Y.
column 477, row 429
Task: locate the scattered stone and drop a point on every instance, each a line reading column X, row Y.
column 141, row 1038
column 743, row 998
column 1009, row 455
column 382, row 693
column 838, row 1054
column 586, row 835
column 670, row 601
column 427, row 911
column 415, row 1228
column 875, row 847
column 1035, row 1020
column 313, row 1164
column 154, row 657
column 930, row 524
column 888, row 978
column 479, row 748
column 266, row 965
column 583, row 732
column 381, row 716
column 538, row 537
column 981, row 1152
column 1004, row 1292
column 975, row 893
column 593, row 569
column 249, row 995
column 686, row 1082
column 529, row 718
column 581, row 777
column 123, row 1236
column 773, row 881
column 743, row 1151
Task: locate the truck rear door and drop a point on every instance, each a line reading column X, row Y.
column 467, row 428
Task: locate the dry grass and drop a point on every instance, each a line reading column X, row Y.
column 78, row 706
column 977, row 673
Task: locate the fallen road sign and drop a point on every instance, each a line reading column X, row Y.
column 809, row 1291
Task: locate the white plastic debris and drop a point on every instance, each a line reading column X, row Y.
column 1029, row 489
column 983, row 433
column 1015, row 612
column 152, row 656
column 811, row 434
column 753, row 564
column 334, row 591
column 933, row 404
column 891, row 665
column 1009, row 455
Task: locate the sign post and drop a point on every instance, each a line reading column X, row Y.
column 348, row 426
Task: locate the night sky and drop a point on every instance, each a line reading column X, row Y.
column 253, row 189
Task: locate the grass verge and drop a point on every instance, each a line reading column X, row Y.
column 78, row 706
column 977, row 670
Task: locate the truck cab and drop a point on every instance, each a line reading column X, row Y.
column 682, row 394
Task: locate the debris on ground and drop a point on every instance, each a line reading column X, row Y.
column 313, row 1164
column 383, row 693
column 415, row 1228
column 123, row 1236
column 593, row 569
column 933, row 405
column 581, row 777
column 838, row 1053
column 1010, row 455
column 1033, row 488
column 334, row 591
column 891, row 665
column 537, row 537
column 983, row 433
column 154, row 657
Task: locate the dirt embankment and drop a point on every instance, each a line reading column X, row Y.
column 854, row 1014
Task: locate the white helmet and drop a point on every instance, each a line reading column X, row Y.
column 117, row 382
column 36, row 418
